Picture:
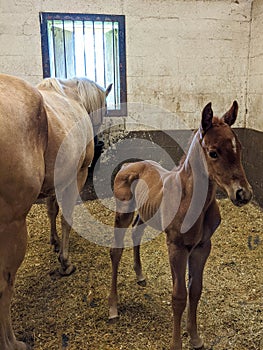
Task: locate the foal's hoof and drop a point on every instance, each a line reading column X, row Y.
column 67, row 271
column 199, row 346
column 55, row 245
column 113, row 320
column 56, row 248
column 142, row 283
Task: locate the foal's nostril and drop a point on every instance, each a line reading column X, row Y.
column 239, row 195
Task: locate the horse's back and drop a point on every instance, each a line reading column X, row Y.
column 23, row 138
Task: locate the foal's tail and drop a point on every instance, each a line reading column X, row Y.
column 119, row 166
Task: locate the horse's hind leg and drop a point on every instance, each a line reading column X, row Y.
column 68, row 202
column 52, row 209
column 13, row 240
column 67, row 205
column 138, row 229
column 122, row 222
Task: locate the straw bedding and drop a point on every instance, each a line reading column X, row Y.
column 71, row 313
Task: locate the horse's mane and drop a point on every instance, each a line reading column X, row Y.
column 91, row 95
column 53, row 84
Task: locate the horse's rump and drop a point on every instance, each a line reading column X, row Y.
column 23, row 140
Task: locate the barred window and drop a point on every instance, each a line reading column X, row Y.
column 85, row 45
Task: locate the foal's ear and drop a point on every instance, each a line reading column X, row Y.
column 108, row 90
column 207, row 116
column 230, row 116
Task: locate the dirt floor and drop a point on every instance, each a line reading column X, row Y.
column 71, row 313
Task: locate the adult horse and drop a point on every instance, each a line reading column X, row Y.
column 182, row 203
column 36, row 125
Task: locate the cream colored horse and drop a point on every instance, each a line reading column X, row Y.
column 37, row 124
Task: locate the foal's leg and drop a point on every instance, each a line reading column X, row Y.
column 52, row 209
column 178, row 261
column 122, row 222
column 137, row 236
column 196, row 266
column 13, row 241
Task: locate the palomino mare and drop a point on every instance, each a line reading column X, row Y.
column 172, row 201
column 64, row 103
column 34, row 124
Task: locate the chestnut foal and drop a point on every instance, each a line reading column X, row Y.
column 181, row 202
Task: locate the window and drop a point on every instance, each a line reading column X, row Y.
column 87, row 45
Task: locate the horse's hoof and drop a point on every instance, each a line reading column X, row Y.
column 142, row 283
column 68, row 271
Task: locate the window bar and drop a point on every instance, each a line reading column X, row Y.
column 104, row 54
column 117, row 62
column 94, row 50
column 84, row 44
column 54, row 47
column 64, row 46
column 114, row 70
column 74, row 48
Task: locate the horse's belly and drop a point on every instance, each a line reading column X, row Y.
column 150, row 214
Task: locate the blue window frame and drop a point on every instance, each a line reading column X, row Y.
column 87, row 45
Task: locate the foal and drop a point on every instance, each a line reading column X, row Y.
column 181, row 202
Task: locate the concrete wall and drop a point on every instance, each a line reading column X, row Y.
column 255, row 96
column 190, row 53
column 180, row 54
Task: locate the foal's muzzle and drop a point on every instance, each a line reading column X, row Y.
column 242, row 196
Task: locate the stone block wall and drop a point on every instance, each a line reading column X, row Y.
column 181, row 54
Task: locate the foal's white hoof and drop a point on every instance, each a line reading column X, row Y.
column 198, row 344
column 113, row 315
column 113, row 320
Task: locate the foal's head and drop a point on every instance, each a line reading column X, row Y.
column 223, row 154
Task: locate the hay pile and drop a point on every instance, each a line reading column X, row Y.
column 52, row 313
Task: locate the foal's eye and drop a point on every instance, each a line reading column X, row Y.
column 213, row 154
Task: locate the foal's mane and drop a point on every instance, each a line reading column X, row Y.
column 184, row 157
column 215, row 123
